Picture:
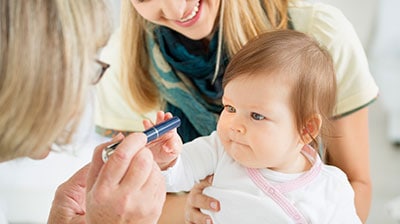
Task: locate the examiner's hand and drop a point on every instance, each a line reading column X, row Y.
column 69, row 200
column 197, row 200
column 128, row 188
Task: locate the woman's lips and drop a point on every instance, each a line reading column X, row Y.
column 191, row 18
column 192, row 14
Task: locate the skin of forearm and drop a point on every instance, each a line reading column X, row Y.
column 362, row 198
column 173, row 210
column 348, row 149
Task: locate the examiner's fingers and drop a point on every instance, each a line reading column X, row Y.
column 80, row 177
column 117, row 165
column 97, row 162
column 156, row 185
column 139, row 170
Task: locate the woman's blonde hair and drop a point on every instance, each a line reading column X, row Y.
column 47, row 62
column 242, row 20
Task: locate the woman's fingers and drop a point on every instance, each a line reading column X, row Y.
column 128, row 188
column 155, row 186
column 118, row 163
column 97, row 162
column 69, row 201
column 197, row 200
column 194, row 216
column 139, row 170
column 145, row 177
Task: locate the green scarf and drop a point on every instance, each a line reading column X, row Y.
column 183, row 70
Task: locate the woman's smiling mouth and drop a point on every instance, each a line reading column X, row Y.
column 192, row 14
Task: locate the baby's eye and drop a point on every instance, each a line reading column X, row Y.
column 257, row 116
column 230, row 109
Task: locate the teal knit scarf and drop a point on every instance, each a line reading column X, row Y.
column 183, row 71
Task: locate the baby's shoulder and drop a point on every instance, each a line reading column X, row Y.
column 335, row 181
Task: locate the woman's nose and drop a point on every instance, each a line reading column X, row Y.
column 173, row 9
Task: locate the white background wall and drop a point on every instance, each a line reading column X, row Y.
column 384, row 57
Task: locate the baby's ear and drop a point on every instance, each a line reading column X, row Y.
column 311, row 129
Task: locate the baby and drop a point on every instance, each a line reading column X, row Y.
column 279, row 97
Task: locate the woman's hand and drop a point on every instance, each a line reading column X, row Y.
column 197, row 200
column 128, row 188
column 69, row 201
column 166, row 148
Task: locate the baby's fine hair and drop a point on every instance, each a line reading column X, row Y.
column 301, row 62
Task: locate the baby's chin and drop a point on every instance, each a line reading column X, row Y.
column 245, row 162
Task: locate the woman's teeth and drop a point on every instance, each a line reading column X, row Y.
column 191, row 15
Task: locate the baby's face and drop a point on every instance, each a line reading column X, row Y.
column 257, row 126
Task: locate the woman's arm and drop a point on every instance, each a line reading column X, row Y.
column 179, row 207
column 349, row 150
column 173, row 210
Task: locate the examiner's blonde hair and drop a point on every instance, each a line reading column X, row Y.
column 48, row 50
column 242, row 20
